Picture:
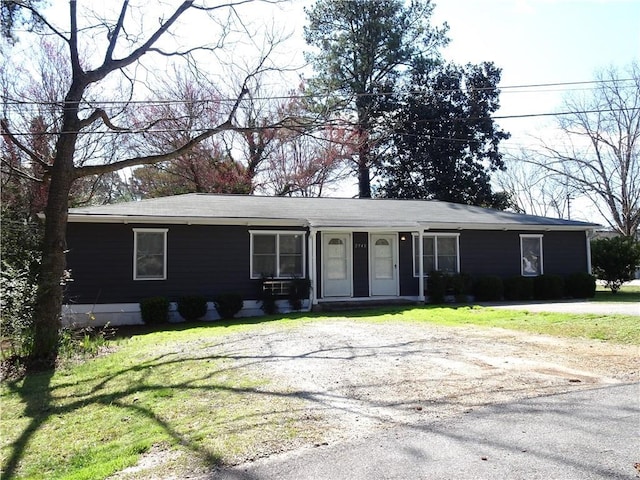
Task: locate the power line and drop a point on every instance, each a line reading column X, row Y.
column 330, row 124
column 508, row 88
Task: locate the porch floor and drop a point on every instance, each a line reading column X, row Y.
column 361, row 304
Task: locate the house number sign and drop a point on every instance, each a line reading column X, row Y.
column 361, row 245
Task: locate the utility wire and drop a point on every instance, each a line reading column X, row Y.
column 332, row 124
column 502, row 89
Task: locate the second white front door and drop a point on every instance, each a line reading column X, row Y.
column 384, row 265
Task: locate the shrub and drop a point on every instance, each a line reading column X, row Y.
column 460, row 284
column 580, row 285
column 548, row 287
column 488, row 288
column 267, row 298
column 436, row 286
column 268, row 302
column 192, row 307
column 298, row 291
column 20, row 241
column 228, row 304
column 154, row 310
column 18, row 289
column 518, row 288
column 615, row 260
column 83, row 342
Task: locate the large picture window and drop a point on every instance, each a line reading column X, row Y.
column 150, row 254
column 439, row 252
column 277, row 254
column 531, row 255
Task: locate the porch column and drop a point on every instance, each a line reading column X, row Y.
column 420, row 266
column 312, row 265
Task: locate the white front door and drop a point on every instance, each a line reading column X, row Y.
column 336, row 265
column 384, row 265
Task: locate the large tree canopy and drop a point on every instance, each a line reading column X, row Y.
column 444, row 142
column 361, row 48
column 111, row 57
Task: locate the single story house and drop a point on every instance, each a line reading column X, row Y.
column 349, row 249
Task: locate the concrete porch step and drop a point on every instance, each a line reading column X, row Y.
column 361, row 304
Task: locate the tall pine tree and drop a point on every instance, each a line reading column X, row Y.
column 362, row 48
column 444, row 143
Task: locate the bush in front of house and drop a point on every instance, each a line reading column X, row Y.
column 580, row 285
column 192, row 307
column 461, row 285
column 267, row 297
column 548, row 287
column 436, row 287
column 154, row 310
column 518, row 288
column 228, row 304
column 615, row 260
column 488, row 288
column 299, row 289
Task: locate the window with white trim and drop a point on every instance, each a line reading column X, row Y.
column 277, row 254
column 440, row 252
column 149, row 254
column 531, row 260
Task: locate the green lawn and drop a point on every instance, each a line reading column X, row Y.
column 628, row 293
column 171, row 390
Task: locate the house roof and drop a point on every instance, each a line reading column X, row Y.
column 347, row 213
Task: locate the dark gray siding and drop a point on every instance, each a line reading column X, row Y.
column 208, row 260
column 360, row 264
column 408, row 283
column 498, row 252
column 201, row 260
column 490, row 253
column 564, row 252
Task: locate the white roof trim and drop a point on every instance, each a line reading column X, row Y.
column 326, row 225
column 91, row 218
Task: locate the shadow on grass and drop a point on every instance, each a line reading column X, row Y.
column 44, row 400
column 35, row 393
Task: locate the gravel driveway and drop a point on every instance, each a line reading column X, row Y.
column 357, row 377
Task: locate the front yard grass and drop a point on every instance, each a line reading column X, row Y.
column 627, row 293
column 173, row 391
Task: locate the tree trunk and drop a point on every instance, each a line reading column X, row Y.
column 364, row 181
column 47, row 313
column 364, row 160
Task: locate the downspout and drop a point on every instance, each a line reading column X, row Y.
column 421, row 297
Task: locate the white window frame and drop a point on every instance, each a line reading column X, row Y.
column 135, row 253
column 538, row 236
column 277, row 234
column 435, row 236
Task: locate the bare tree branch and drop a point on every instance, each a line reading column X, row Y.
column 32, row 155
column 98, row 114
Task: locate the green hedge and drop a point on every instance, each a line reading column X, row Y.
column 518, row 288
column 548, row 287
column 228, row 304
column 154, row 310
column 192, row 307
column 488, row 288
column 580, row 285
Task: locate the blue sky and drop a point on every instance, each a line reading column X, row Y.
column 539, row 42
